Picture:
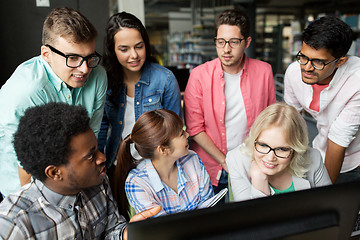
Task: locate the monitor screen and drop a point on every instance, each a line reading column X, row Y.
column 319, row 213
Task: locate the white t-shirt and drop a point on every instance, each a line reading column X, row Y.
column 235, row 114
column 129, row 121
column 129, row 117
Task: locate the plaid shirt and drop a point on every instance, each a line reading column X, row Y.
column 145, row 189
column 36, row 212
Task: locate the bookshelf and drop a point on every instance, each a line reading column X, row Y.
column 273, row 34
column 353, row 20
column 194, row 46
column 184, row 52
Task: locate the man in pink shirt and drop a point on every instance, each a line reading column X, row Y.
column 224, row 96
column 326, row 83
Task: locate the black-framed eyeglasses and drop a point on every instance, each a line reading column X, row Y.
column 233, row 42
column 316, row 63
column 75, row 60
column 281, row 152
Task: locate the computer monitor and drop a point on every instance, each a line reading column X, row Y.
column 319, row 213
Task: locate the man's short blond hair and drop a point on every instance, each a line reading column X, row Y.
column 67, row 23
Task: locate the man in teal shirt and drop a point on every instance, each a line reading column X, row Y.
column 66, row 71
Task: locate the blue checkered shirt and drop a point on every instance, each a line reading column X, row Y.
column 145, row 189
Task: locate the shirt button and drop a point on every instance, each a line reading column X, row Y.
column 120, row 122
column 58, row 88
column 223, row 103
column 138, row 85
column 150, row 100
column 63, row 84
column 223, row 150
column 220, row 120
column 223, row 134
column 137, row 103
column 222, row 84
column 68, row 96
column 70, row 206
column 122, row 105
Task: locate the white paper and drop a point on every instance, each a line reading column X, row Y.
column 213, row 200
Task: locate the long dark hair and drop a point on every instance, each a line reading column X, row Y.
column 113, row 68
column 152, row 129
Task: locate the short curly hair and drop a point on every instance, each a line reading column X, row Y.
column 44, row 134
column 234, row 17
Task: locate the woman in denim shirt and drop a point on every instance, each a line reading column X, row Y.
column 136, row 83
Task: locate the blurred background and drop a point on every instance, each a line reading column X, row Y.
column 182, row 31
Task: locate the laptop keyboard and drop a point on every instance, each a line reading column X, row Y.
column 356, row 230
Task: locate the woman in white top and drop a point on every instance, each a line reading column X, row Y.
column 275, row 158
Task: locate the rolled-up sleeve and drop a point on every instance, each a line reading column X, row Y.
column 193, row 105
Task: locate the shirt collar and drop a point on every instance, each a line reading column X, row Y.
column 146, row 73
column 182, row 175
column 153, row 175
column 156, row 180
column 246, row 63
column 53, row 78
column 244, row 68
column 56, row 199
column 340, row 71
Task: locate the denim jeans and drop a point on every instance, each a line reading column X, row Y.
column 350, row 176
column 223, row 183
